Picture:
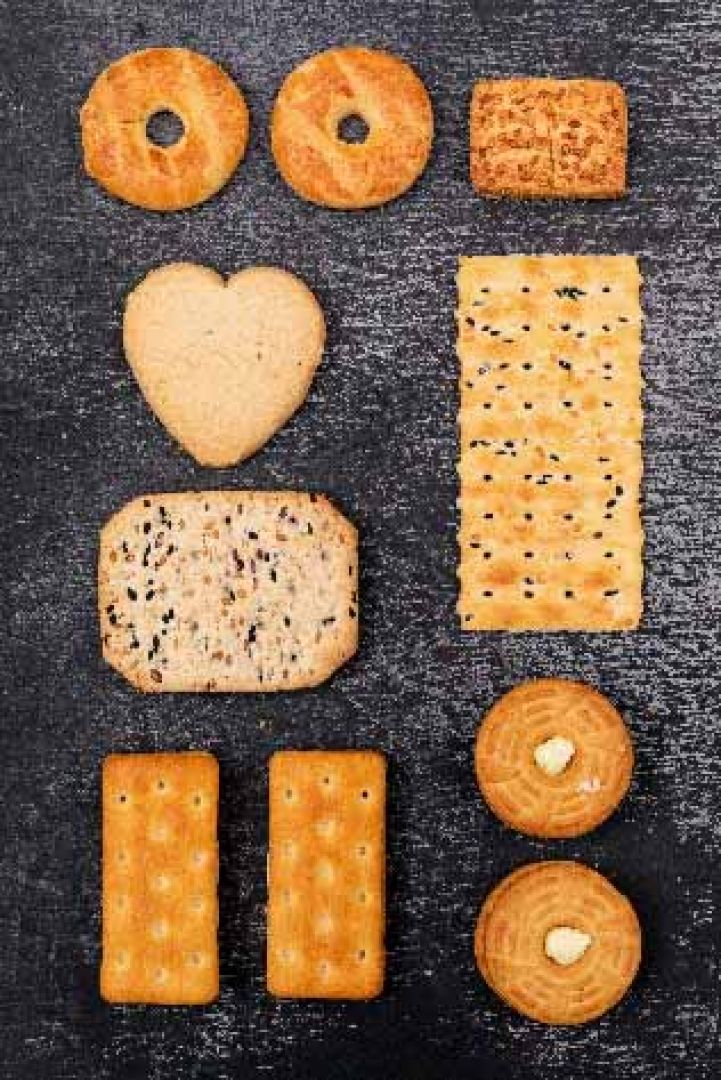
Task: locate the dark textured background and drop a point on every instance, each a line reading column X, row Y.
column 378, row 435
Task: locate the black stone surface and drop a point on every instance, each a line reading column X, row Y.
column 378, row 435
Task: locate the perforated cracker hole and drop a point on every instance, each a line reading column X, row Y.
column 361, row 954
column 365, row 794
column 122, row 798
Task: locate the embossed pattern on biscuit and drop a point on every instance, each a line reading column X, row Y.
column 550, row 430
column 326, row 880
column 553, row 758
column 160, row 865
column 569, row 982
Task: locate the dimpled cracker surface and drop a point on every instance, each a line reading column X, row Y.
column 326, row 874
column 549, row 137
column 160, row 868
column 550, row 431
column 510, row 942
column 586, row 791
column 228, row 590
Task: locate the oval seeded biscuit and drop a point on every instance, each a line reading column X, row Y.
column 228, row 590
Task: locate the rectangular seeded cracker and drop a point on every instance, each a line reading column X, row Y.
column 228, row 591
column 549, row 137
column 326, row 874
column 550, row 431
column 160, row 868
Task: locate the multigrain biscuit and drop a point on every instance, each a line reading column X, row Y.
column 558, row 942
column 326, row 874
column 550, row 431
column 328, row 89
column 160, row 869
column 129, row 93
column 228, row 590
column 553, row 758
column 223, row 364
column 549, row 137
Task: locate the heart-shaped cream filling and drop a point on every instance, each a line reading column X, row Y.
column 223, row 364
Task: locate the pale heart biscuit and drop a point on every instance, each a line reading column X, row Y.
column 223, row 364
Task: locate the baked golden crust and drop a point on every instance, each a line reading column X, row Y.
column 326, row 874
column 113, row 120
column 584, row 792
column 511, row 936
column 160, row 871
column 330, row 87
column 549, row 137
column 550, row 430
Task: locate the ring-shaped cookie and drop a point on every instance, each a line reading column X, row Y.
column 123, row 159
column 329, row 88
column 553, row 758
column 558, row 942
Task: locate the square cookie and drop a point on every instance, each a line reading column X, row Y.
column 550, row 430
column 549, row 137
column 326, row 874
column 160, row 869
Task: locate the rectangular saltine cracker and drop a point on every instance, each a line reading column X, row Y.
column 326, row 874
column 549, row 137
column 160, row 870
column 228, row 591
column 550, row 433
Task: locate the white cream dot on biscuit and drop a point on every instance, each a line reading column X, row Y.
column 554, row 755
column 565, row 945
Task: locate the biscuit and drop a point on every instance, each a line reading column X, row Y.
column 160, row 870
column 553, row 758
column 128, row 94
column 228, row 590
column 223, row 364
column 549, row 137
column 550, row 432
column 326, row 874
column 330, row 88
column 558, row 943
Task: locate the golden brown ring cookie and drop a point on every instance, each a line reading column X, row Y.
column 329, row 88
column 558, row 942
column 553, row 758
column 124, row 97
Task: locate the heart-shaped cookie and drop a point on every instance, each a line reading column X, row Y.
column 223, row 364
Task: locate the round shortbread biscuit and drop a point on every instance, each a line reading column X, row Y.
column 553, row 758
column 223, row 364
column 558, row 943
column 328, row 89
column 124, row 98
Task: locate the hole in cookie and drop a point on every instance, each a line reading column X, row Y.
column 362, row 851
column 122, row 798
column 161, row 785
column 361, row 954
column 365, row 794
column 164, row 128
column 353, row 129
